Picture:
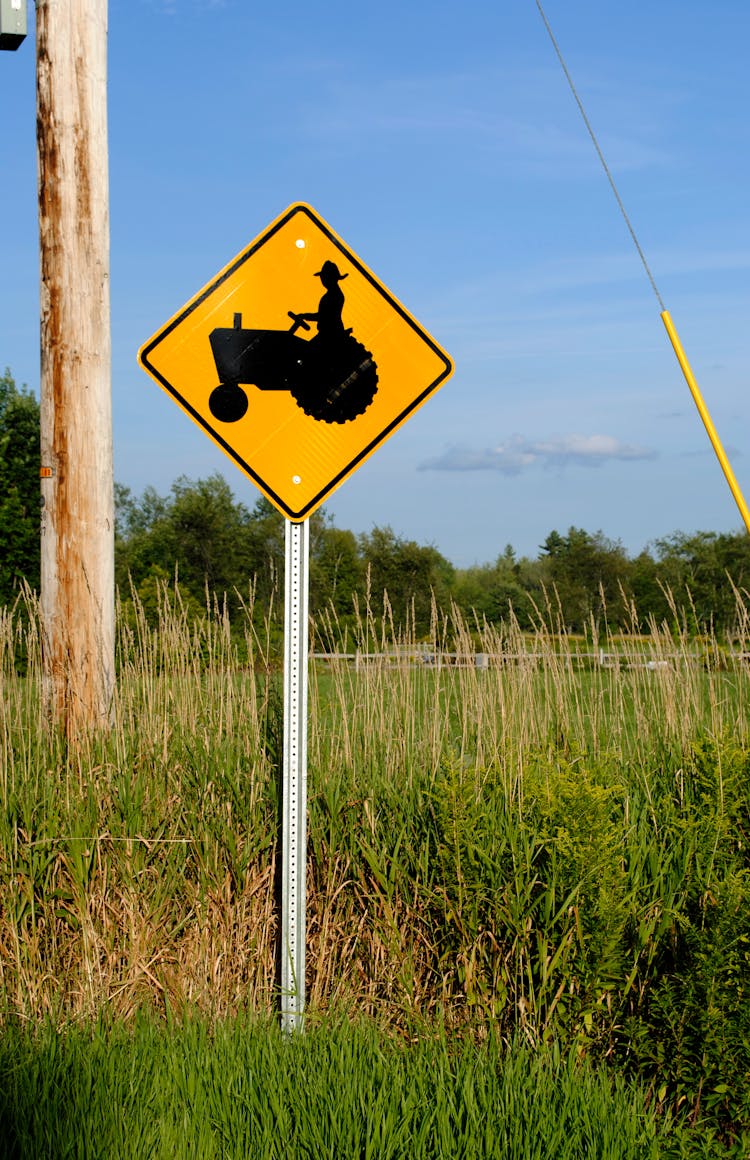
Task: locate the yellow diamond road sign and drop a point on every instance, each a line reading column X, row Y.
column 296, row 361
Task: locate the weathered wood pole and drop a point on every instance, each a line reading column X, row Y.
column 77, row 573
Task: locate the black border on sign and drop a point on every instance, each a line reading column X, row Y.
column 295, row 516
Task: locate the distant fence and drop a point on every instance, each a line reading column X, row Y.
column 412, row 658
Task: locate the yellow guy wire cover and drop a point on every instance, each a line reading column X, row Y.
column 703, row 412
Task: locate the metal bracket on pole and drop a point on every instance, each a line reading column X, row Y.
column 294, row 788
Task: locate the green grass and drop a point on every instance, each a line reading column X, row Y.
column 242, row 1090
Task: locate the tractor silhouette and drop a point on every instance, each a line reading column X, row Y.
column 330, row 376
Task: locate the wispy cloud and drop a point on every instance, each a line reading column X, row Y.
column 518, row 454
column 516, row 112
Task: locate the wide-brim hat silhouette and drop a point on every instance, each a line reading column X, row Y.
column 331, row 270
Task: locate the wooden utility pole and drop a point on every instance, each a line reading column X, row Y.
column 77, row 575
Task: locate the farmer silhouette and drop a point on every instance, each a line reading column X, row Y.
column 328, row 315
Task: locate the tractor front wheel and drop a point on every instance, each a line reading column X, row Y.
column 228, row 403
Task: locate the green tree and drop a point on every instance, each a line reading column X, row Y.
column 473, row 592
column 405, row 576
column 590, row 575
column 199, row 533
column 19, row 488
column 264, row 560
column 336, row 569
column 492, row 592
column 206, row 535
column 648, row 597
column 699, row 571
column 516, row 587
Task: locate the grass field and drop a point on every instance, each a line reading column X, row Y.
column 538, row 860
column 240, row 1091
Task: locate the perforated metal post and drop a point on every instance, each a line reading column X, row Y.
column 294, row 789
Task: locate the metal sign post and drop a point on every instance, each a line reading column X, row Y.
column 294, row 787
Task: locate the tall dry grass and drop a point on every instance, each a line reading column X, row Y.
column 139, row 868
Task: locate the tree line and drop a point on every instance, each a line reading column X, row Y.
column 201, row 535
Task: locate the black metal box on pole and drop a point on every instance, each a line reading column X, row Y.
column 13, row 23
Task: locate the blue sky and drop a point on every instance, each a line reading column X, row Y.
column 442, row 143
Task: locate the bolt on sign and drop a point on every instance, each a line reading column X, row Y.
column 296, row 361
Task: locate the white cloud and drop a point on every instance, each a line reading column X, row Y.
column 518, row 453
